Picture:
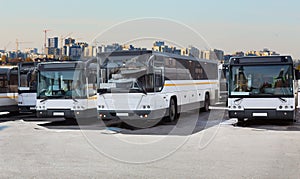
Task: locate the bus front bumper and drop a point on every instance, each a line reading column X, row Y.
column 89, row 113
column 55, row 113
column 132, row 115
column 26, row 109
column 262, row 114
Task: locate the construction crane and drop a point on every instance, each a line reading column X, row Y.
column 7, row 45
column 18, row 44
column 45, row 42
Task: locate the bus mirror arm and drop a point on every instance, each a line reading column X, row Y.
column 143, row 90
column 297, row 74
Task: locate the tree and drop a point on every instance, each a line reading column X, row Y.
column 28, row 59
column 15, row 61
column 66, row 58
column 3, row 59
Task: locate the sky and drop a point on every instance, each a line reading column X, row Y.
column 230, row 25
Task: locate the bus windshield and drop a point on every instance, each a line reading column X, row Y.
column 61, row 84
column 274, row 80
column 127, row 74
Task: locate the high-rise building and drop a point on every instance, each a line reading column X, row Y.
column 69, row 41
column 74, row 52
column 53, row 42
column 90, row 51
column 193, row 51
column 213, row 54
column 264, row 52
column 31, row 50
column 160, row 46
column 113, row 47
column 238, row 54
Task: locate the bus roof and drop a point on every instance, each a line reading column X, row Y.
column 151, row 52
column 52, row 66
column 258, row 60
column 8, row 69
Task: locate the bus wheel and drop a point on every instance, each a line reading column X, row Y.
column 173, row 110
column 206, row 103
column 241, row 123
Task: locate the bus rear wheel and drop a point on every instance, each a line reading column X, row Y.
column 173, row 115
column 206, row 103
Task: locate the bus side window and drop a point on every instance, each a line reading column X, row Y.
column 32, row 81
column 13, row 83
column 3, row 84
column 92, row 80
column 158, row 83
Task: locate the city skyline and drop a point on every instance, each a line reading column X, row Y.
column 230, row 25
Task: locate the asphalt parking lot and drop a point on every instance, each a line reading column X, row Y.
column 199, row 145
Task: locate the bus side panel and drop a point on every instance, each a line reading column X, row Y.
column 8, row 102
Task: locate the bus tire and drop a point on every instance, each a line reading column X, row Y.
column 173, row 111
column 241, row 122
column 206, row 103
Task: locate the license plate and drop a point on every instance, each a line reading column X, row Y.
column 58, row 113
column 122, row 114
column 260, row 114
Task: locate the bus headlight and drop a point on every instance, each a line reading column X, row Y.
column 146, row 106
column 101, row 106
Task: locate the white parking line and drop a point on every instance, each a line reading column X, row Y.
column 231, row 121
column 4, row 113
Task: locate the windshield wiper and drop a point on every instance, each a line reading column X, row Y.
column 282, row 100
column 45, row 98
column 102, row 91
column 238, row 99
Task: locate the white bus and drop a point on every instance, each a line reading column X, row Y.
column 135, row 85
column 27, row 86
column 66, row 89
column 9, row 89
column 262, row 87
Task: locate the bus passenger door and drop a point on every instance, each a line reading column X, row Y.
column 159, row 95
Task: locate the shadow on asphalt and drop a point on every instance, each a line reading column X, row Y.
column 189, row 123
column 17, row 116
column 275, row 125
